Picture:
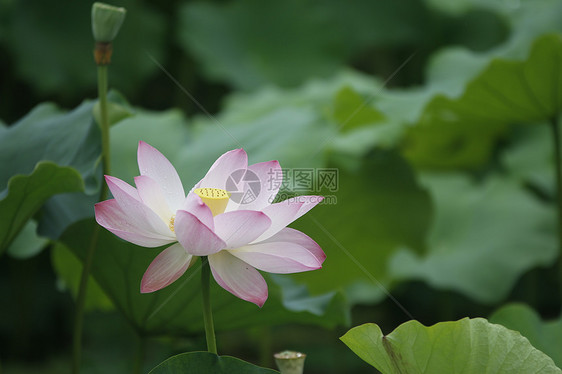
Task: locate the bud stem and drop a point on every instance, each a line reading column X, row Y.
column 104, row 117
column 82, row 290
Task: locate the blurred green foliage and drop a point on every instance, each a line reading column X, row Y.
column 501, row 233
column 27, row 193
column 435, row 114
column 69, row 269
column 296, row 39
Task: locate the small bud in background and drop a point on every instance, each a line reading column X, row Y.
column 106, row 22
column 290, row 362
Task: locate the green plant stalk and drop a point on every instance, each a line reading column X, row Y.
column 207, row 312
column 105, row 150
column 265, row 343
column 81, row 301
column 139, row 355
column 82, row 290
column 555, row 125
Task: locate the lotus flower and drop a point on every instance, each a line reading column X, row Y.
column 238, row 232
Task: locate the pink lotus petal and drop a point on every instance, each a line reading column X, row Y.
column 278, row 257
column 123, row 186
column 290, row 235
column 110, row 215
column 193, row 204
column 223, row 167
column 285, row 212
column 137, row 213
column 152, row 195
column 308, row 202
column 271, row 178
column 238, row 278
column 167, row 267
column 240, row 227
column 281, row 214
column 153, row 164
column 195, row 236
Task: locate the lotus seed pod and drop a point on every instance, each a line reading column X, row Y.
column 290, row 362
column 106, row 22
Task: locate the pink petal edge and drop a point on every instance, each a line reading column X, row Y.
column 298, row 237
column 281, row 214
column 110, row 216
column 155, row 165
column 114, row 182
column 240, row 227
column 238, row 278
column 278, row 257
column 152, row 195
column 135, row 211
column 309, row 202
column 270, row 175
column 195, row 236
column 166, row 268
column 193, row 204
column 223, row 167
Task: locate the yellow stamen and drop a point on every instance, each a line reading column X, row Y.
column 172, row 221
column 215, row 198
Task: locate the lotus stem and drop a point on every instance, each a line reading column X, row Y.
column 207, row 312
column 83, row 287
column 555, row 125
